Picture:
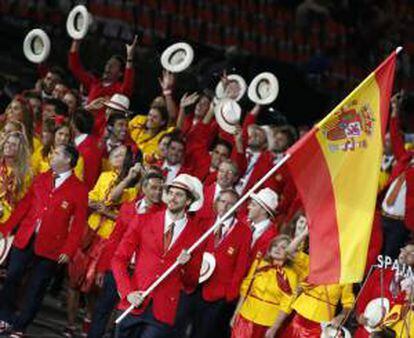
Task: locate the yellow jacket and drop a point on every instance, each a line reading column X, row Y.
column 145, row 142
column 100, row 193
column 264, row 295
column 318, row 303
column 41, row 164
column 401, row 321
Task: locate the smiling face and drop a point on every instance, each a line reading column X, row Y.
column 112, row 71
column 62, row 136
column 117, row 157
column 177, row 200
column 226, row 175
column 15, row 111
column 11, row 147
column 224, row 202
column 154, row 119
column 175, row 153
column 278, row 250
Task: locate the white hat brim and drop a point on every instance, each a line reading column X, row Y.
column 111, row 105
column 73, row 31
column 257, row 199
column 373, row 312
column 5, row 246
column 329, row 332
column 29, row 52
column 221, row 121
column 273, row 92
column 220, row 93
column 207, row 267
column 197, row 194
column 171, row 50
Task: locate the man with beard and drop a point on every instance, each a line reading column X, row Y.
column 48, row 83
column 160, row 240
column 129, row 216
column 174, row 162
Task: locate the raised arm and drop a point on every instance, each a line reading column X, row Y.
column 167, row 83
column 76, row 67
column 129, row 74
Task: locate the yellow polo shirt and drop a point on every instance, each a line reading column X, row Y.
column 265, row 298
column 100, row 193
column 147, row 143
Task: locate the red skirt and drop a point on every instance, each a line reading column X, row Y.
column 82, row 270
column 244, row 328
column 301, row 327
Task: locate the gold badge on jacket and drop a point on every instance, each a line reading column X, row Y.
column 230, row 251
column 64, row 205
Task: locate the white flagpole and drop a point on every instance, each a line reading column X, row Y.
column 208, row 232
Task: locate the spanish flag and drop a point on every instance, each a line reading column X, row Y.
column 336, row 170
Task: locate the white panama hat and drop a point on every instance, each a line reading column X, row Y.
column 36, row 45
column 263, row 89
column 78, row 22
column 221, row 93
column 228, row 114
column 177, row 57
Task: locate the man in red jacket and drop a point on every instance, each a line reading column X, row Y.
column 217, row 297
column 128, row 216
column 160, row 240
column 51, row 219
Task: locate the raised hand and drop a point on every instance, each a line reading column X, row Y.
column 188, row 100
column 130, row 49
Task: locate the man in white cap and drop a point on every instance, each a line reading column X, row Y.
column 160, row 240
column 261, row 211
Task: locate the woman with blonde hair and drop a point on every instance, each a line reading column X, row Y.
column 267, row 292
column 20, row 110
column 15, row 173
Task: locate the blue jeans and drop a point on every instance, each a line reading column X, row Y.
column 42, row 272
column 143, row 326
column 106, row 302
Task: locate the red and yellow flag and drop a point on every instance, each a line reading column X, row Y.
column 336, row 170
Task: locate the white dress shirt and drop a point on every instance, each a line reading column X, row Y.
column 172, row 171
column 79, row 139
column 141, row 207
column 253, row 157
column 227, row 226
column 178, row 227
column 62, row 178
column 259, row 229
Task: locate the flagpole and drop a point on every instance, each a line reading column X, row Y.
column 207, row 233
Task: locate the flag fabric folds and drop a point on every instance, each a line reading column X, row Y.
column 336, row 170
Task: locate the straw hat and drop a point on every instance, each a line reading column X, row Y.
column 207, row 267
column 177, row 57
column 118, row 102
column 78, row 22
column 263, row 89
column 36, row 46
column 228, row 114
column 191, row 184
column 220, row 92
column 267, row 199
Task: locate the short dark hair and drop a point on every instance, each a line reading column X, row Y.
column 120, row 59
column 61, row 108
column 83, row 121
column 115, row 116
column 57, row 71
column 224, row 143
column 72, row 153
column 290, row 133
column 150, row 176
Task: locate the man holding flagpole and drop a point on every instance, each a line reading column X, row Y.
column 158, row 241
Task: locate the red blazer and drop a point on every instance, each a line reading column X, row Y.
column 62, row 212
column 403, row 158
column 126, row 218
column 232, row 257
column 146, row 240
column 261, row 245
column 92, row 152
column 207, row 208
